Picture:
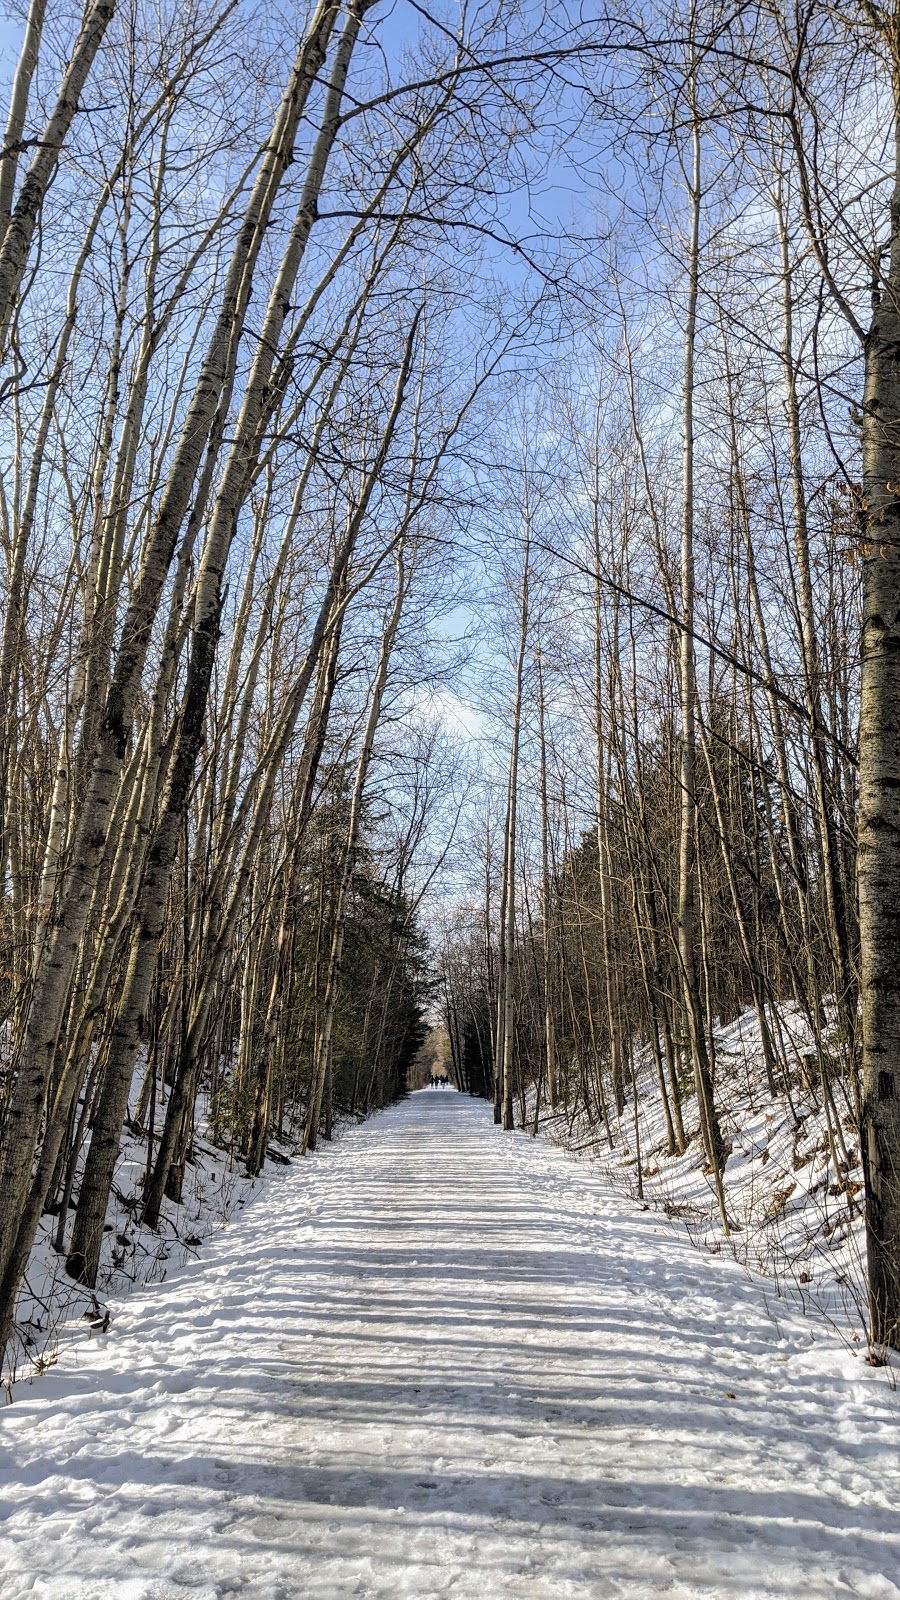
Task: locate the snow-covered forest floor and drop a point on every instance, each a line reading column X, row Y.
column 796, row 1218
column 794, row 1222
column 53, row 1310
column 440, row 1360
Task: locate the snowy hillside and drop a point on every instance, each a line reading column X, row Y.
column 54, row 1310
column 794, row 1217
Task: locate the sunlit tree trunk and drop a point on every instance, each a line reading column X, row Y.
column 547, row 898
column 505, row 1029
column 879, row 777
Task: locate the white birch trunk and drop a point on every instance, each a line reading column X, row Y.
column 879, row 778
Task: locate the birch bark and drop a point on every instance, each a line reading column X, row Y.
column 879, row 778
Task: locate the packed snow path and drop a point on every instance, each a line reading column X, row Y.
column 440, row 1360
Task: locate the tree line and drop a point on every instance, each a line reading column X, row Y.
column 232, row 400
column 277, row 348
column 699, row 613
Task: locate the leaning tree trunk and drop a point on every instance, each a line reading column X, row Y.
column 314, row 744
column 53, row 979
column 20, row 224
column 325, row 1034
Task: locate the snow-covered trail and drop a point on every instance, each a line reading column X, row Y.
column 439, row 1360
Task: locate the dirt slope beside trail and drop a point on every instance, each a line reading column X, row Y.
column 437, row 1360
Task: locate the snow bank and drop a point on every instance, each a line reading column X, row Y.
column 52, row 1310
column 797, row 1219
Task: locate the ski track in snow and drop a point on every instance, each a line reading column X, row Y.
column 440, row 1360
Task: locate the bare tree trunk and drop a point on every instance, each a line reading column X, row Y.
column 508, row 901
column 18, row 108
column 20, row 222
column 879, row 766
column 54, row 976
column 325, row 1032
column 835, row 899
column 547, row 950
column 687, row 858
column 313, row 746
